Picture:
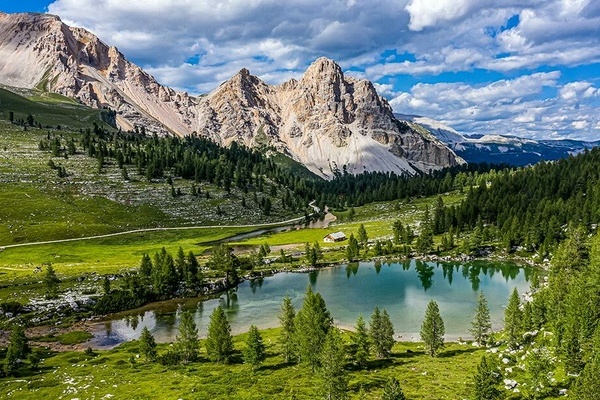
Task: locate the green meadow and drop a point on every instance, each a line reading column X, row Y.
column 122, row 373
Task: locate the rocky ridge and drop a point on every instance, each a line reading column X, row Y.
column 40, row 51
column 325, row 120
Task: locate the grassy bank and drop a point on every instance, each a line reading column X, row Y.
column 120, row 373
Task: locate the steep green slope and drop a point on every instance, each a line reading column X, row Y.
column 50, row 110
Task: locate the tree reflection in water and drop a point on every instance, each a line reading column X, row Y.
column 425, row 273
column 256, row 283
column 230, row 302
column 351, row 269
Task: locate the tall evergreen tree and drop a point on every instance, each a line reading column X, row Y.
column 513, row 319
column 18, row 348
column 187, row 343
column 352, row 248
column 192, row 273
column 254, row 353
column 313, row 253
column 363, row 238
column 219, row 343
column 180, row 264
column 397, row 230
column 311, row 325
column 51, row 282
column 392, row 390
column 287, row 335
column 432, row 329
column 361, row 343
column 147, row 345
column 481, row 326
column 106, row 286
column 587, row 385
column 223, row 259
column 486, row 381
column 381, row 333
column 146, row 266
column 332, row 359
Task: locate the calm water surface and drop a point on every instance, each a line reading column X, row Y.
column 402, row 288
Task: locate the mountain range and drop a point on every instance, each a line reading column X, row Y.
column 326, row 120
column 499, row 149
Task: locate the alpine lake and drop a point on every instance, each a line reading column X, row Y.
column 402, row 288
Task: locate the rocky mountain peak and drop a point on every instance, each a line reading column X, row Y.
column 325, row 120
column 324, row 68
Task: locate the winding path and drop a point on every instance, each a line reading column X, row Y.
column 289, row 221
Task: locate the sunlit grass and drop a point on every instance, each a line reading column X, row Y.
column 121, row 373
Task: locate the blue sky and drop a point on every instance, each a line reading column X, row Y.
column 529, row 68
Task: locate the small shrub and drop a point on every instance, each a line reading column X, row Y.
column 169, row 358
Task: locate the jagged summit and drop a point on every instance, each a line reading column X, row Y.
column 325, row 120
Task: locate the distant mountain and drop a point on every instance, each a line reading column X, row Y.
column 325, row 120
column 498, row 149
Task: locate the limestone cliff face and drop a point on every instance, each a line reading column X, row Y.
column 38, row 50
column 325, row 120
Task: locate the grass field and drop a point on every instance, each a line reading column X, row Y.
column 120, row 373
column 376, row 217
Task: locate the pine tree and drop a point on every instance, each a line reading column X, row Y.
column 572, row 349
column 286, row 337
column 432, row 329
column 352, row 248
column 146, row 266
column 18, row 348
column 313, row 253
column 317, row 252
column 219, row 343
column 392, row 390
column 587, row 385
column 192, row 272
column 311, row 325
column 147, row 345
column 51, row 282
column 513, row 318
column 361, row 343
column 381, row 333
column 187, row 343
column 106, row 286
column 223, row 259
column 397, row 230
column 180, row 264
column 481, row 327
column 363, row 238
column 332, row 358
column 485, row 381
column 254, row 353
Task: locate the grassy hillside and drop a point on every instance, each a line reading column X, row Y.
column 122, row 374
column 38, row 204
column 48, row 109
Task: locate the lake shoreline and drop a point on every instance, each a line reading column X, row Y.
column 90, row 324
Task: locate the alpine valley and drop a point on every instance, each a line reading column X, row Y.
column 156, row 244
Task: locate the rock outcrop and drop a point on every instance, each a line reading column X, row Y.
column 325, row 120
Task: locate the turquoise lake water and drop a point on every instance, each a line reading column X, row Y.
column 402, row 288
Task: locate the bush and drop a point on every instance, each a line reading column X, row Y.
column 169, row 358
